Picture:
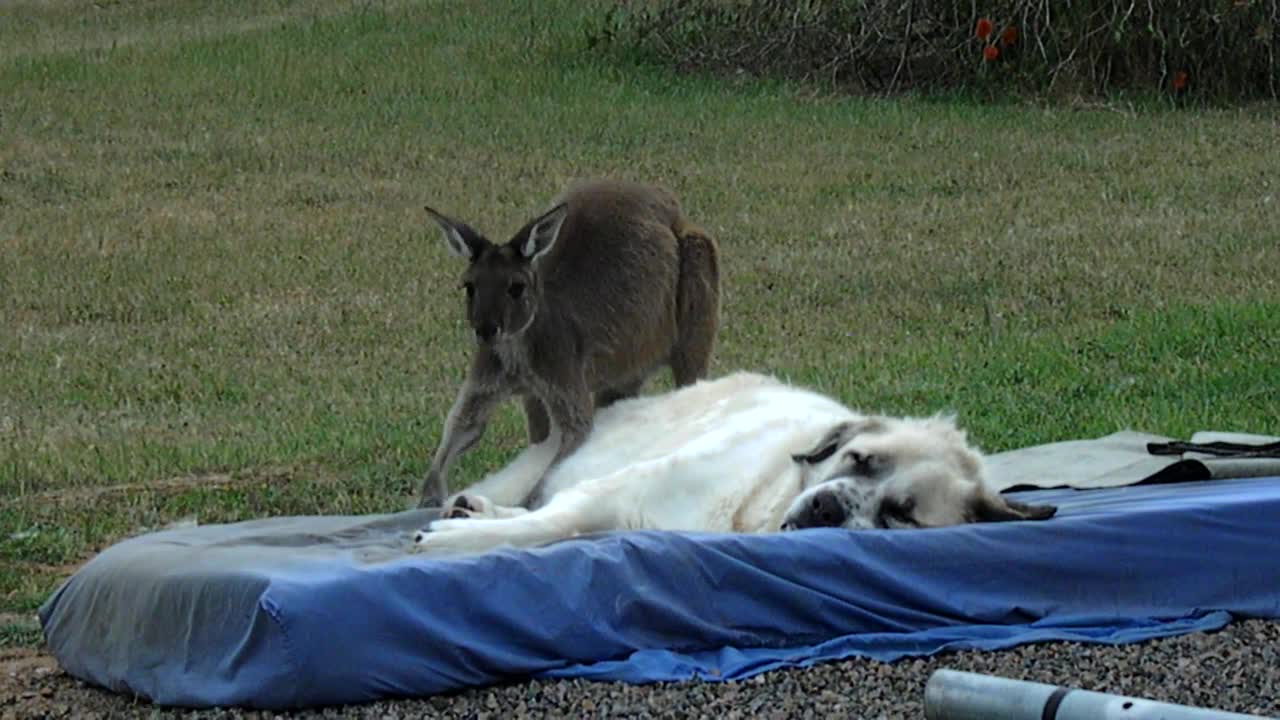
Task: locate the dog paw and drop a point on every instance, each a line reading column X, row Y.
column 426, row 536
column 454, row 538
column 463, row 506
column 431, row 540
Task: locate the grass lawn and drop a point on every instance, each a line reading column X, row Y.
column 220, row 298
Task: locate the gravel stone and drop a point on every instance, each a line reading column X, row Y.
column 1236, row 669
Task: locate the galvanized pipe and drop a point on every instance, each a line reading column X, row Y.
column 956, row 695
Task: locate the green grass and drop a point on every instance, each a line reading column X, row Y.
column 219, row 297
column 24, row 634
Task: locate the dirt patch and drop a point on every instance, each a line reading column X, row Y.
column 32, row 685
column 15, row 662
column 25, row 687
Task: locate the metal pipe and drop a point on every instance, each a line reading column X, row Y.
column 956, row 695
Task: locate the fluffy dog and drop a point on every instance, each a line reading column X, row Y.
column 744, row 453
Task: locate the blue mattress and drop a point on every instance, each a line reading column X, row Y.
column 297, row 612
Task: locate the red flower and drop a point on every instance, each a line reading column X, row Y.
column 1179, row 80
column 990, row 53
column 983, row 31
column 1009, row 35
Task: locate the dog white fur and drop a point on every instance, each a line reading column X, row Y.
column 743, row 453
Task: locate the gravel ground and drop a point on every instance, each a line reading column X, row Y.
column 1237, row 669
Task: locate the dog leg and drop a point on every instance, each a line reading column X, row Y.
column 569, row 513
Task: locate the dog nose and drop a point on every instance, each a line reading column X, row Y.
column 826, row 510
column 487, row 332
column 823, row 509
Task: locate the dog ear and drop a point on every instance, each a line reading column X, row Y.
column 835, row 437
column 989, row 507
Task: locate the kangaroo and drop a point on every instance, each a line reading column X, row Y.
column 576, row 311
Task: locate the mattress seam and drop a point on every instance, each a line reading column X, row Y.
column 286, row 642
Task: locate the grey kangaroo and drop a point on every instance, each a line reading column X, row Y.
column 576, row 311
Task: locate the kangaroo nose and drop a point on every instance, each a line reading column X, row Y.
column 487, row 331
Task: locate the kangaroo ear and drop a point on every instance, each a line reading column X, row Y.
column 461, row 240
column 543, row 232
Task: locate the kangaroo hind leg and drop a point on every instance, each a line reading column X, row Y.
column 697, row 306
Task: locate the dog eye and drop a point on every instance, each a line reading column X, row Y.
column 515, row 290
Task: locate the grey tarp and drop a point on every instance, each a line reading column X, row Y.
column 1122, row 459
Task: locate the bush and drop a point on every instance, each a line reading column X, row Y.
column 1226, row 49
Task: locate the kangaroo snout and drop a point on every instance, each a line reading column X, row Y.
column 486, row 332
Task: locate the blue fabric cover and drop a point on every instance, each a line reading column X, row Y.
column 288, row 627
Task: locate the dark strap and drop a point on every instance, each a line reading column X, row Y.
column 1051, row 704
column 1178, row 472
column 1220, row 449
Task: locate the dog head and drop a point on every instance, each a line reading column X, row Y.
column 881, row 472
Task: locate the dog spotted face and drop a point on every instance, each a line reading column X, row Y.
column 892, row 473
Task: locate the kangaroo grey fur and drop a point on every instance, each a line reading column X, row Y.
column 576, row 311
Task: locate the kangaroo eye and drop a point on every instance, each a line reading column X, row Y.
column 515, row 290
column 471, row 289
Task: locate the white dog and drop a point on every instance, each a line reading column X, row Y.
column 744, row 453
